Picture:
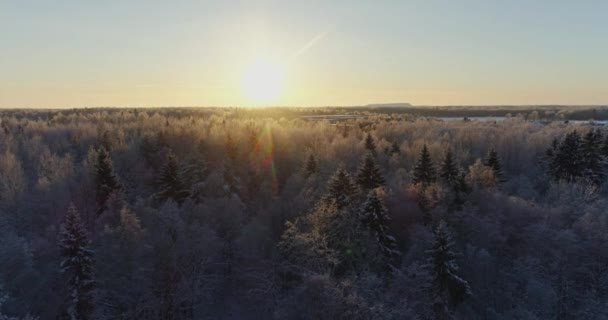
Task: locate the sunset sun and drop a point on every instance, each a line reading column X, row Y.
column 262, row 82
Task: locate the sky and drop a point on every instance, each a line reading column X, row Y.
column 69, row 53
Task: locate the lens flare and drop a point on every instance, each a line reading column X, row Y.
column 265, row 146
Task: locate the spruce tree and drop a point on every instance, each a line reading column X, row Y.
column 105, row 179
column 493, row 162
column 170, row 183
column 592, row 159
column 341, row 189
column 447, row 289
column 369, row 175
column 375, row 219
column 370, row 144
column 449, row 171
column 605, row 146
column 77, row 266
column 311, row 166
column 395, row 148
column 424, row 171
column 567, row 162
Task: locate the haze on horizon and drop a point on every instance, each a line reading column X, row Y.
column 155, row 53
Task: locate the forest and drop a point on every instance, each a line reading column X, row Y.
column 226, row 213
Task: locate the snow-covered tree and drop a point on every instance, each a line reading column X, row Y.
column 77, row 266
column 375, row 219
column 370, row 144
column 311, row 166
column 341, row 189
column 424, row 171
column 592, row 159
column 105, row 179
column 493, row 162
column 447, row 289
column 171, row 184
column 369, row 175
column 449, row 172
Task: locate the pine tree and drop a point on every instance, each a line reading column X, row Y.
column 447, row 289
column 369, row 175
column 341, row 189
column 311, row 166
column 424, row 171
column 77, row 265
column 370, row 144
column 449, row 171
column 493, row 162
column 105, row 179
column 170, row 183
column 375, row 219
column 592, row 160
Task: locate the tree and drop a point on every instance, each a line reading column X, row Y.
column 77, row 266
column 592, row 159
column 170, row 183
column 311, row 166
column 105, row 179
column 493, row 162
column 447, row 289
column 424, row 171
column 370, row 144
column 369, row 175
column 341, row 189
column 375, row 219
column 567, row 163
column 449, row 172
column 395, row 148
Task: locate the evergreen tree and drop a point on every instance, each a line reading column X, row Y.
column 370, row 144
column 375, row 219
column 311, row 166
column 395, row 148
column 461, row 189
column 171, row 185
column 447, row 289
column 567, row 163
column 341, row 189
column 77, row 265
column 231, row 150
column 493, row 162
column 105, row 179
column 605, row 147
column 369, row 175
column 592, row 160
column 449, row 171
column 424, row 171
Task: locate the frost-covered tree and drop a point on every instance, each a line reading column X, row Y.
column 77, row 266
column 105, row 179
column 424, row 171
column 170, row 183
column 592, row 159
column 447, row 289
column 375, row 219
column 369, row 175
column 311, row 166
column 567, row 162
column 493, row 162
column 370, row 144
column 341, row 189
column 448, row 173
column 395, row 149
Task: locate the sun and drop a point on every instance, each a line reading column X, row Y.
column 263, row 82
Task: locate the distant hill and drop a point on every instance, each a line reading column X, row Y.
column 390, row 105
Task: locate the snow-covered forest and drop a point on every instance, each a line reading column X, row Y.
column 233, row 214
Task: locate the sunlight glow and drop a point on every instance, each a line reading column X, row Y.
column 263, row 82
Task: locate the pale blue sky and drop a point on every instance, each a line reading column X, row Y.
column 155, row 53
